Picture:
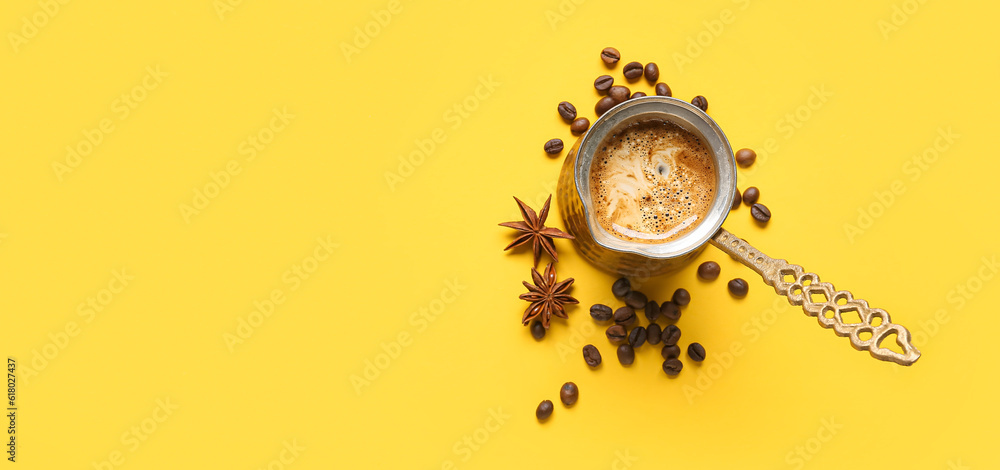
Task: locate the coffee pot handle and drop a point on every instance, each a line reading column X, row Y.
column 800, row 287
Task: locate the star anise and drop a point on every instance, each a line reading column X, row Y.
column 547, row 296
column 535, row 231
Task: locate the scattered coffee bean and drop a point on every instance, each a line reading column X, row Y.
column 619, row 93
column 709, row 270
column 760, row 212
column 670, row 311
column 652, row 72
column 621, row 287
column 737, row 199
column 637, row 337
column 637, row 94
column 653, row 333
column 544, row 410
column 591, row 355
column 567, row 111
column 616, row 333
column 553, row 146
column 601, row 312
column 738, row 287
column 671, row 351
column 624, row 316
column 569, row 393
column 579, row 126
column 603, row 83
column 636, row 299
column 701, row 102
column 662, row 89
column 671, row 334
column 745, row 157
column 632, row 70
column 603, row 105
column 696, row 352
column 751, row 195
column 682, row 297
column 537, row 330
column 610, row 56
column 652, row 311
column 672, row 367
column 626, row 355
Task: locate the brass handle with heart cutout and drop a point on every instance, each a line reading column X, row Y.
column 829, row 311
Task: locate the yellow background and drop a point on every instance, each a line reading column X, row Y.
column 324, row 175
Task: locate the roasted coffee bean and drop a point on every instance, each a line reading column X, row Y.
column 567, row 111
column 682, row 297
column 670, row 311
column 672, row 367
column 632, row 70
column 637, row 337
column 624, row 316
column 616, row 333
column 671, row 334
column 603, row 105
column 601, row 312
column 591, row 355
column 653, row 333
column 760, row 212
column 671, row 351
column 603, row 83
column 709, row 270
column 626, row 355
column 553, row 146
column 737, row 199
column 701, row 102
column 751, row 195
column 621, row 287
column 636, row 299
column 652, row 72
column 537, row 330
column 619, row 93
column 637, row 94
column 662, row 89
column 652, row 311
column 610, row 56
column 745, row 157
column 579, row 126
column 738, row 287
column 696, row 352
column 569, row 393
column 544, row 410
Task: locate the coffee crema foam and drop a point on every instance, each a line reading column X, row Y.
column 652, row 182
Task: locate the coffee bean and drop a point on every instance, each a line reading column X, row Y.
column 672, row 367
column 671, row 351
column 591, row 355
column 610, row 56
column 569, row 393
column 682, row 297
column 736, row 200
column 637, row 94
column 745, row 157
column 601, row 312
column 537, row 330
column 626, row 355
column 670, row 311
column 760, row 212
column 653, row 333
column 637, row 337
column 553, row 146
column 603, row 83
column 624, row 316
column 709, row 270
column 619, row 93
column 751, row 195
column 652, row 72
column 696, row 352
column 738, row 287
column 652, row 311
column 701, row 102
column 567, row 110
column 632, row 70
column 621, row 287
column 544, row 410
column 671, row 334
column 662, row 89
column 616, row 333
column 579, row 126
column 603, row 105
column 636, row 299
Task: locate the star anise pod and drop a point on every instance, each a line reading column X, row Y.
column 534, row 230
column 547, row 296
